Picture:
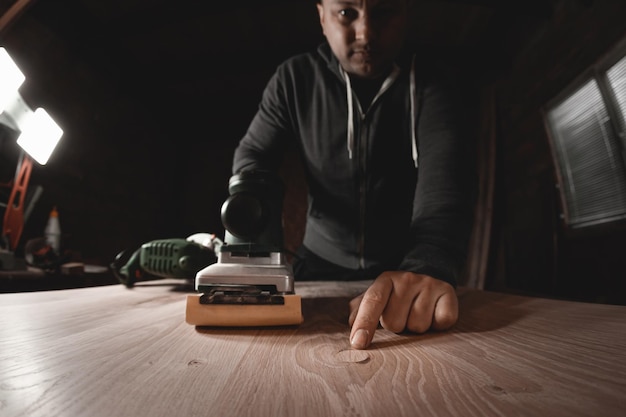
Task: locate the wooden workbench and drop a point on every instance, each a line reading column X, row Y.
column 111, row 351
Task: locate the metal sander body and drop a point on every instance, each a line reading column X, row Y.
column 252, row 283
column 271, row 272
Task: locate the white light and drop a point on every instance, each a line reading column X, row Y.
column 40, row 136
column 10, row 80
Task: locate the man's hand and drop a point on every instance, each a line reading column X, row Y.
column 401, row 301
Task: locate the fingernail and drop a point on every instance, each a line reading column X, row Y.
column 359, row 341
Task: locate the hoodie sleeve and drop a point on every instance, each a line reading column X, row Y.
column 443, row 209
column 264, row 143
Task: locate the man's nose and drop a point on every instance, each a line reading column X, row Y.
column 363, row 29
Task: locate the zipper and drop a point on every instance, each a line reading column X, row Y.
column 362, row 150
column 362, row 188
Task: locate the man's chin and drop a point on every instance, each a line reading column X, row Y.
column 366, row 72
column 368, row 67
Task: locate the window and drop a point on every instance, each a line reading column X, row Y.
column 587, row 131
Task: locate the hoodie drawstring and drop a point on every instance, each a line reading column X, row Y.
column 390, row 79
column 414, row 152
column 350, row 137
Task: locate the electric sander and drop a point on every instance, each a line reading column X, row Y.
column 252, row 283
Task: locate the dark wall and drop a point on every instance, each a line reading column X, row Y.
column 112, row 163
column 532, row 250
column 149, row 131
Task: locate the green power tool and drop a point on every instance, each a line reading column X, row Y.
column 166, row 258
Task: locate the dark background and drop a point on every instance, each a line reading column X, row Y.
column 154, row 95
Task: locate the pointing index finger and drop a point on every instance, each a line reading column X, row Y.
column 369, row 312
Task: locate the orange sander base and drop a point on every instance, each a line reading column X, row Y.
column 244, row 315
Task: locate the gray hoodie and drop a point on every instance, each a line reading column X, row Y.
column 366, row 206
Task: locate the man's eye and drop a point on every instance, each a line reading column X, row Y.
column 348, row 14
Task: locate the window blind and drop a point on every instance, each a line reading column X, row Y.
column 589, row 154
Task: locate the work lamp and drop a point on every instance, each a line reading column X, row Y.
column 37, row 135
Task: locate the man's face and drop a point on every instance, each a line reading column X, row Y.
column 365, row 35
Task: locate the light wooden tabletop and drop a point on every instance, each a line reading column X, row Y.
column 111, row 351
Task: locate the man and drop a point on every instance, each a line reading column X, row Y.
column 368, row 119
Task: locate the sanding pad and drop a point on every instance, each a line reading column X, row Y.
column 240, row 315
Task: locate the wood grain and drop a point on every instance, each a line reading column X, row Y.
column 110, row 351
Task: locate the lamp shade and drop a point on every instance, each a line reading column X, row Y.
column 40, row 136
column 10, row 80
